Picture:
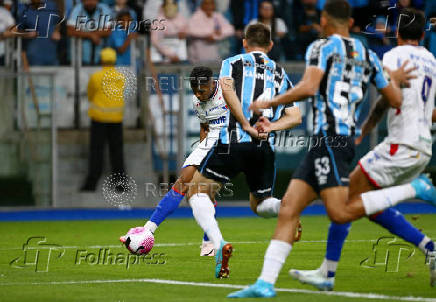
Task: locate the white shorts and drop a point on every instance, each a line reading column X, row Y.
column 200, row 152
column 393, row 164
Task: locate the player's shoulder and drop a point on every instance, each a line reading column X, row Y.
column 234, row 58
column 195, row 100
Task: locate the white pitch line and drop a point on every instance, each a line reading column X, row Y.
column 232, row 286
column 176, row 244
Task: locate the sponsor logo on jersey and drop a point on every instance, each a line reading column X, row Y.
column 219, row 120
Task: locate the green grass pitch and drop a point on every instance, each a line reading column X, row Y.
column 178, row 243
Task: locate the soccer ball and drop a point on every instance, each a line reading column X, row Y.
column 138, row 241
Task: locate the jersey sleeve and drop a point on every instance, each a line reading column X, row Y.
column 317, row 54
column 226, row 69
column 378, row 77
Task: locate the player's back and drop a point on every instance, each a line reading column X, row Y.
column 348, row 68
column 410, row 125
column 254, row 75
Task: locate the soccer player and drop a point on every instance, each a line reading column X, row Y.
column 211, row 110
column 401, row 157
column 339, row 70
column 244, row 78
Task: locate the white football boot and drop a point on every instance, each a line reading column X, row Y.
column 313, row 277
column 207, row 249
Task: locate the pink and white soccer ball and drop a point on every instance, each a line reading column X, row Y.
column 139, row 241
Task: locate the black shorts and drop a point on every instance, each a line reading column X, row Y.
column 255, row 160
column 327, row 163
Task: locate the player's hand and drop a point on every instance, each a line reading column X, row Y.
column 258, row 105
column 263, row 125
column 402, row 76
column 251, row 131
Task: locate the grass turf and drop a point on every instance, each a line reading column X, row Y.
column 182, row 262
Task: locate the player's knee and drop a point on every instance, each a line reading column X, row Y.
column 339, row 216
column 288, row 212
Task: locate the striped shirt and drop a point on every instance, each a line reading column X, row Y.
column 254, row 75
column 348, row 68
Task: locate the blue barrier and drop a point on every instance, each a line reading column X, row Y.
column 143, row 213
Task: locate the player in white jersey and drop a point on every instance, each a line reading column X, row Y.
column 211, row 110
column 399, row 158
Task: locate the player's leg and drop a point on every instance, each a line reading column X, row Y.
column 298, row 195
column 200, row 197
column 366, row 177
column 171, row 201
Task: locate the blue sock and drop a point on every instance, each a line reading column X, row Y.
column 395, row 222
column 166, row 206
column 335, row 241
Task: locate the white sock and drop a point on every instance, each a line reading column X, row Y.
column 328, row 266
column 376, row 201
column 422, row 244
column 204, row 212
column 151, row 226
column 275, row 257
column 269, row 207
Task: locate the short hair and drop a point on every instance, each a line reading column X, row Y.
column 411, row 24
column 258, row 35
column 200, row 75
column 122, row 13
column 338, row 9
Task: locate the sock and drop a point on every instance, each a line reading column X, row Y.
column 376, row 201
column 328, row 268
column 275, row 257
column 205, row 238
column 204, row 213
column 426, row 245
column 335, row 241
column 394, row 222
column 269, row 207
column 166, row 206
column 151, row 226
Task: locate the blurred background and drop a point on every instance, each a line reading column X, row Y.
column 50, row 49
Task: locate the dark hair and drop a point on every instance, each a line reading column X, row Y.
column 122, row 13
column 258, row 35
column 411, row 24
column 200, row 75
column 338, row 9
column 274, row 19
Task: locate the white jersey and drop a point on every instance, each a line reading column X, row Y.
column 213, row 112
column 410, row 125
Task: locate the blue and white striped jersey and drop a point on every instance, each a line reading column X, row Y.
column 254, row 74
column 348, row 68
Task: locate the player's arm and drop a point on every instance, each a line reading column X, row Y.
column 433, row 116
column 234, row 104
column 204, row 130
column 306, row 88
column 289, row 120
